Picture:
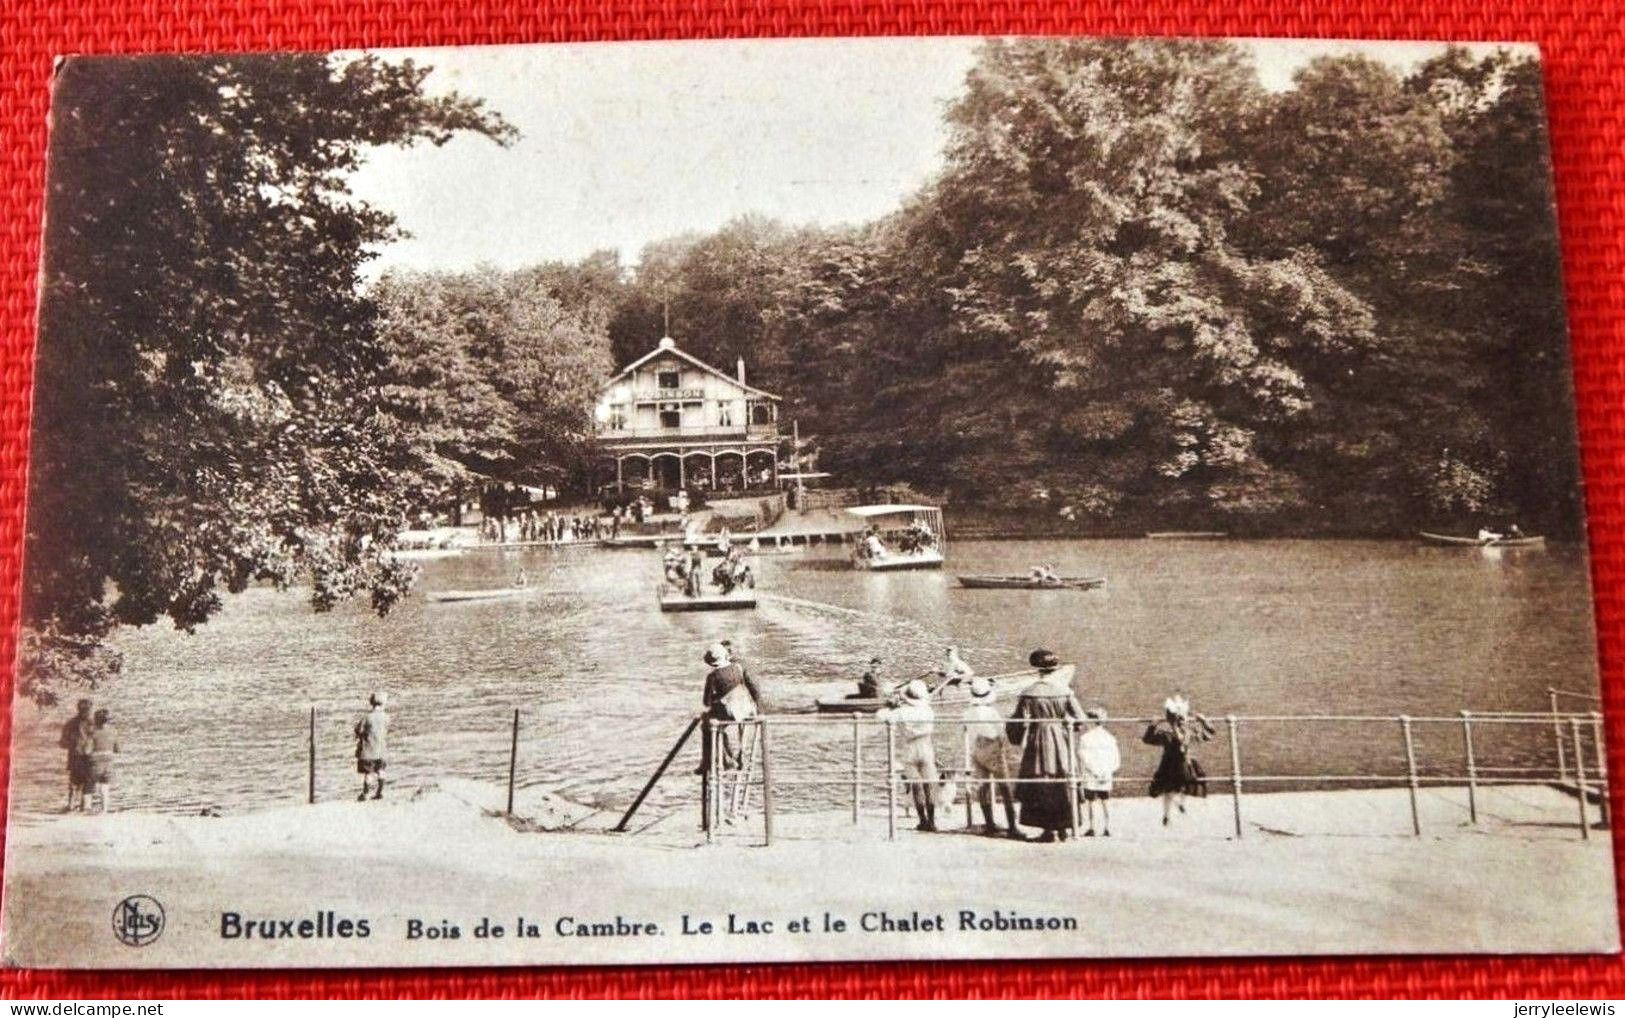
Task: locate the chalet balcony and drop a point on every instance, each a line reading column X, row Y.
column 712, row 432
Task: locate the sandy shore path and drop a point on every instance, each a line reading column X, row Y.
column 1315, row 872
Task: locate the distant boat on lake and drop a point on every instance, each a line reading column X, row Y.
column 989, row 582
column 482, row 594
column 1473, row 542
column 635, row 541
column 421, row 554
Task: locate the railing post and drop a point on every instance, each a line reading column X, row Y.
column 1235, row 768
column 311, row 787
column 767, row 781
column 964, row 740
column 705, row 776
column 513, row 758
column 1472, row 766
column 713, row 798
column 857, row 765
column 891, row 780
column 1557, row 736
column 1601, row 756
column 1410, row 770
column 1580, row 779
column 1072, row 778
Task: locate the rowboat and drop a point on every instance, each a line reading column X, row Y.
column 1473, row 542
column 991, row 582
column 421, row 554
column 483, row 594
column 676, row 601
column 640, row 541
column 1186, row 535
column 960, row 697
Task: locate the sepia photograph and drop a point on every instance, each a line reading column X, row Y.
column 803, row 500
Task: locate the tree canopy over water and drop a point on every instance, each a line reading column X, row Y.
column 212, row 389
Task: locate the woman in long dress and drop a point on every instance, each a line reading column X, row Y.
column 1042, row 726
column 1178, row 774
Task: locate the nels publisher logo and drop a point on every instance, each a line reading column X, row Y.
column 138, row 920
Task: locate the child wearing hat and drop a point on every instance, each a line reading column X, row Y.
column 1178, row 774
column 370, row 734
column 915, row 721
column 1100, row 759
column 989, row 757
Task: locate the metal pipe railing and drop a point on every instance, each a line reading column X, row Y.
column 1413, row 779
column 726, row 784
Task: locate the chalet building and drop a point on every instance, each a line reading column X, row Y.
column 669, row 420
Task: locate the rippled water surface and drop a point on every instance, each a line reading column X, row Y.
column 604, row 682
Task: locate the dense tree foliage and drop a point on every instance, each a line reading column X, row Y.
column 209, row 408
column 1144, row 288
column 494, row 373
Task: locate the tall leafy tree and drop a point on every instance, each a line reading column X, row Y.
column 495, row 371
column 1102, row 322
column 209, row 408
column 1357, row 168
column 1501, row 195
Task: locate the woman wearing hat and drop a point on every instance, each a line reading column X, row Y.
column 915, row 721
column 1178, row 774
column 1042, row 726
column 730, row 696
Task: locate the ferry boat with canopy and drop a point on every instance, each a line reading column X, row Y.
column 899, row 537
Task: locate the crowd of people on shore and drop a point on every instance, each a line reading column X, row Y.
column 1050, row 764
column 531, row 526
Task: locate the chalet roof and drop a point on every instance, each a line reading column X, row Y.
column 667, row 345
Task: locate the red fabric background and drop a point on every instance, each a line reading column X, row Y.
column 1584, row 49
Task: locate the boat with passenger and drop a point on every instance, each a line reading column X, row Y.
column 983, row 581
column 690, row 584
column 673, row 600
column 898, row 537
column 1484, row 540
column 480, row 594
column 1004, row 687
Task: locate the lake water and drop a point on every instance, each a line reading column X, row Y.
column 605, row 682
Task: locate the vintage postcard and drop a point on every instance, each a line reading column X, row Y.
column 748, row 501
